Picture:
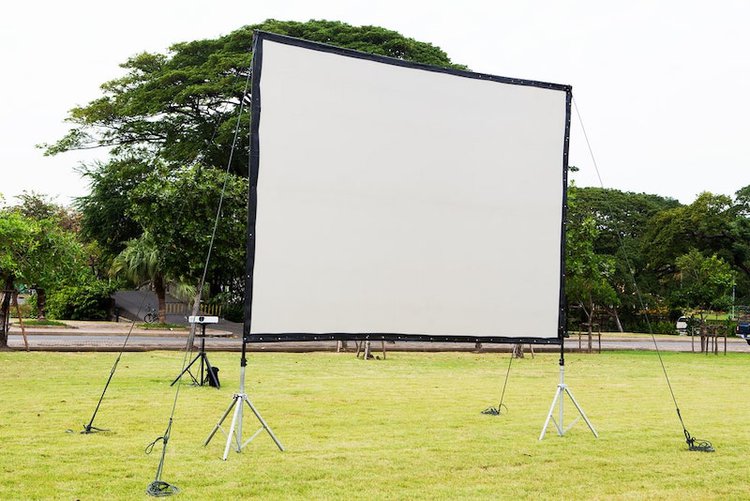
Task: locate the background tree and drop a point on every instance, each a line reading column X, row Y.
column 713, row 225
column 702, row 283
column 17, row 237
column 36, row 254
column 55, row 240
column 588, row 274
column 620, row 219
column 176, row 209
column 706, row 225
column 741, row 243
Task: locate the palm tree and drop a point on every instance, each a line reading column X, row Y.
column 141, row 263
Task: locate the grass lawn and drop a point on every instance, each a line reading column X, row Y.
column 37, row 323
column 409, row 427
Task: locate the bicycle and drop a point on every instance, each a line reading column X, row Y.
column 151, row 315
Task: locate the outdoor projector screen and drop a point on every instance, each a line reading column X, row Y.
column 398, row 201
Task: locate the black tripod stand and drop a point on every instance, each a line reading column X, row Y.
column 208, row 373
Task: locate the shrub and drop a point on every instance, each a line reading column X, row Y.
column 90, row 301
column 664, row 327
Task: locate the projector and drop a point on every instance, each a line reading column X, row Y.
column 201, row 319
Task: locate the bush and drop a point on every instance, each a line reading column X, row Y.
column 233, row 312
column 657, row 327
column 232, row 305
column 663, row 327
column 91, row 301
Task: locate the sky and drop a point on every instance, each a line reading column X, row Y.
column 661, row 88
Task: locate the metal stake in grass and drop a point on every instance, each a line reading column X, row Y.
column 496, row 411
column 160, row 488
column 90, row 428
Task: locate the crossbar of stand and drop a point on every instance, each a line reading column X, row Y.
column 558, row 400
column 234, row 436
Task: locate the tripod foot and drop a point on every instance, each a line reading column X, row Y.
column 159, row 488
column 91, row 429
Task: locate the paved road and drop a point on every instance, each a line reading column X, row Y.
column 114, row 336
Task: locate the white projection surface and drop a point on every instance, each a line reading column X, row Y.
column 396, row 200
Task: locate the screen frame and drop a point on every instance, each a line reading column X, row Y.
column 254, row 169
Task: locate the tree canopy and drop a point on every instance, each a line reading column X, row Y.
column 703, row 283
column 667, row 256
column 182, row 106
column 38, row 252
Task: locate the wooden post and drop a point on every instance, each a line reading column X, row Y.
column 14, row 298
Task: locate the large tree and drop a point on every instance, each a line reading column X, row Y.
column 178, row 208
column 619, row 215
column 704, row 225
column 169, row 123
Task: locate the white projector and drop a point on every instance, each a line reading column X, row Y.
column 202, row 319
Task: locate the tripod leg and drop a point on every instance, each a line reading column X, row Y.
column 186, row 369
column 583, row 414
column 237, row 417
column 221, row 421
column 549, row 414
column 263, row 423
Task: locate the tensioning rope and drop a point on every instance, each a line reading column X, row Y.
column 90, row 428
column 158, row 487
column 693, row 443
column 496, row 411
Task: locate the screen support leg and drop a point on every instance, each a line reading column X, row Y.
column 562, row 390
column 235, row 429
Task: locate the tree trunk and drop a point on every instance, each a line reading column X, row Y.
column 518, row 350
column 617, row 320
column 5, row 311
column 161, row 298
column 41, row 303
column 590, row 316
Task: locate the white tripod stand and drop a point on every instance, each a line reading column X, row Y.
column 562, row 390
column 235, row 429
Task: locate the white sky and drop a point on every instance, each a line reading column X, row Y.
column 663, row 87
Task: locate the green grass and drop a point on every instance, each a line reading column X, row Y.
column 34, row 322
column 158, row 326
column 408, row 427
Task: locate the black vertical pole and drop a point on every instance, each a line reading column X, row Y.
column 243, row 360
column 564, row 330
column 203, row 350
